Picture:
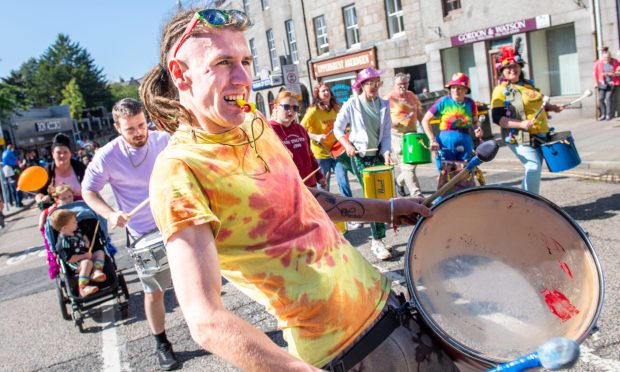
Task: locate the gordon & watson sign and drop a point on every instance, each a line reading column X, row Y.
column 346, row 63
column 504, row 29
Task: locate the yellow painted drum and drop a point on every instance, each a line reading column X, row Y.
column 379, row 182
column 342, row 226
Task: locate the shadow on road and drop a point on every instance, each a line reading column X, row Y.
column 597, row 210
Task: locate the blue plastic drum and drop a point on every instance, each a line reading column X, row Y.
column 560, row 152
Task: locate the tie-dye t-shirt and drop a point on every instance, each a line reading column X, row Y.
column 274, row 241
column 454, row 115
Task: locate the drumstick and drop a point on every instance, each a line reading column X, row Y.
column 484, row 153
column 138, row 207
column 555, row 353
column 92, row 241
column 310, row 175
column 541, row 109
column 358, row 151
column 585, row 94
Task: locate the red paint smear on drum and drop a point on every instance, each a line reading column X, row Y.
column 509, row 205
column 559, row 305
column 565, row 268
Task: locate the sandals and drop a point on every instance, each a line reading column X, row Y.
column 98, row 276
column 88, row 290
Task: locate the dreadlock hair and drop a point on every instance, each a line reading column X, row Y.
column 316, row 102
column 158, row 92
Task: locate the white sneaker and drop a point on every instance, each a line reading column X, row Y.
column 380, row 250
column 352, row 225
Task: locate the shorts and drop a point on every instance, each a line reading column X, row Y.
column 160, row 281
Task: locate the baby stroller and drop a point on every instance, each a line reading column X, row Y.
column 114, row 287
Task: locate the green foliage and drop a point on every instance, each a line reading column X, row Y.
column 123, row 90
column 72, row 97
column 9, row 99
column 44, row 79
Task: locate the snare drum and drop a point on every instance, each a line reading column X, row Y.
column 149, row 254
column 495, row 287
column 378, row 182
column 560, row 152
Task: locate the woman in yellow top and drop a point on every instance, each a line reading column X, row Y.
column 319, row 122
column 514, row 104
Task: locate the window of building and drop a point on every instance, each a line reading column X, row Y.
column 320, row 30
column 270, row 100
column 350, row 24
column 246, row 6
column 254, row 56
column 264, row 4
column 292, row 40
column 394, row 10
column 450, row 5
column 260, row 103
column 461, row 59
column 553, row 60
column 272, row 51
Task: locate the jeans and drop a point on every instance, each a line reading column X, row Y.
column 16, row 195
column 532, row 161
column 606, row 102
column 359, row 163
column 454, row 145
column 330, row 166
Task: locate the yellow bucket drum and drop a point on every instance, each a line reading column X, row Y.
column 379, row 182
column 341, row 225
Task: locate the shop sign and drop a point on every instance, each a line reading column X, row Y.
column 271, row 81
column 350, row 62
column 505, row 29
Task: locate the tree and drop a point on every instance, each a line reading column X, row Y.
column 72, row 97
column 9, row 99
column 123, row 90
column 44, row 79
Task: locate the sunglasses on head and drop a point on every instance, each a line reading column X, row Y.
column 213, row 18
column 287, row 107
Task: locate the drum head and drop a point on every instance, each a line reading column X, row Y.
column 378, row 169
column 148, row 240
column 497, row 271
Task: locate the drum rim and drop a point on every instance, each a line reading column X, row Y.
column 463, row 349
column 384, row 166
column 133, row 244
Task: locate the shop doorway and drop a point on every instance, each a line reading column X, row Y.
column 419, row 78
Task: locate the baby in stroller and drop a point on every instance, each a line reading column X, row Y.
column 75, row 250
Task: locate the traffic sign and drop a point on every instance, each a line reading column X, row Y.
column 291, row 78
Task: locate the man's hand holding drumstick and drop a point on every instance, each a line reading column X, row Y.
column 120, row 218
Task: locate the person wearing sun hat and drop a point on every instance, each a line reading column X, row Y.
column 514, row 104
column 458, row 114
column 368, row 115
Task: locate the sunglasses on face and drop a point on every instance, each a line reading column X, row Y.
column 375, row 84
column 213, row 18
column 287, row 107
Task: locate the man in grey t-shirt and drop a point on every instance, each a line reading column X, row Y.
column 126, row 164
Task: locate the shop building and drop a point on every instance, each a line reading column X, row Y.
column 279, row 47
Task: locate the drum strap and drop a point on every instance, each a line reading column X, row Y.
column 388, row 321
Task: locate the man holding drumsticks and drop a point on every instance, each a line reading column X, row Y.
column 228, row 202
column 126, row 164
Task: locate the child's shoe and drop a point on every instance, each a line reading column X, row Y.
column 98, row 276
column 88, row 290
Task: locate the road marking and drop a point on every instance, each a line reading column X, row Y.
column 587, row 356
column 110, row 351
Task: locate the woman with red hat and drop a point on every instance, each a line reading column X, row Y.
column 369, row 141
column 514, row 104
column 458, row 114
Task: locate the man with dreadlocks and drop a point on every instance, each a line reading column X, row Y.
column 229, row 202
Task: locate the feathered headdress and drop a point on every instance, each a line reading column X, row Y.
column 510, row 56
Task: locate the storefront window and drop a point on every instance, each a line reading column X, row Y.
column 461, row 59
column 260, row 103
column 554, row 61
column 270, row 100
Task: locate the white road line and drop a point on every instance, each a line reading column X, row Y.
column 110, row 351
column 589, row 358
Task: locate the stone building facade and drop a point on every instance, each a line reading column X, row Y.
column 431, row 40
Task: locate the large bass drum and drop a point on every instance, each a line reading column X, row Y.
column 498, row 271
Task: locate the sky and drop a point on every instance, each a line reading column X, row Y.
column 122, row 36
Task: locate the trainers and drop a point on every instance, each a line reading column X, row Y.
column 98, row 276
column 167, row 360
column 379, row 249
column 88, row 290
column 401, row 190
column 352, row 225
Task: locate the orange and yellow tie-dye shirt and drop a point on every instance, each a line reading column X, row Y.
column 274, row 241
